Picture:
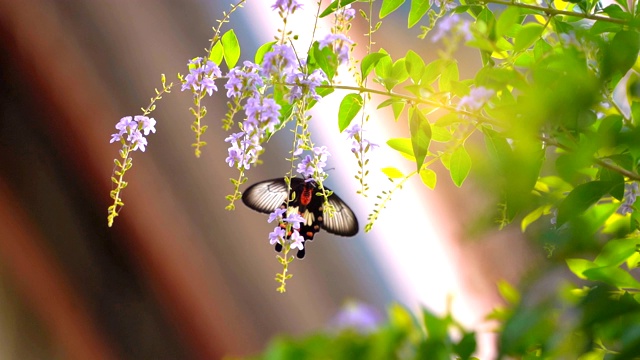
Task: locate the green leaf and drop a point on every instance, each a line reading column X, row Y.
column 324, row 59
column 612, row 275
column 529, row 33
column 420, row 135
column 389, row 6
column 460, row 165
column 392, row 172
column 498, row 148
column 435, row 326
column 615, row 252
column 541, row 49
column 349, row 108
column 334, row 6
column 400, row 318
column 399, row 71
column 531, row 217
column 397, row 107
column 370, row 61
column 466, row 346
column 402, row 145
column 231, row 48
column 509, row 17
column 621, row 54
column 440, row 134
column 579, row 266
column 432, row 71
column 616, row 12
column 601, row 26
column 449, row 74
column 414, row 65
column 417, row 11
column 265, row 48
column 217, row 53
column 383, row 65
column 428, row 177
column 508, row 292
column 581, row 198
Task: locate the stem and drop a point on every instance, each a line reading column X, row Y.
column 412, row 99
column 552, row 11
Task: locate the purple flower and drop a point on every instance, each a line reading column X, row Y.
column 476, row 99
column 208, row 85
column 452, row 25
column 281, row 60
column 357, row 316
column 448, row 4
column 294, row 219
column 363, row 145
column 235, row 156
column 262, row 114
column 276, row 215
column 299, row 149
column 201, row 76
column 115, row 137
column 341, row 44
column 304, row 86
column 125, row 124
column 286, row 6
column 358, row 142
column 347, row 12
column 298, row 240
column 276, row 235
column 322, row 153
column 234, row 138
column 243, row 81
column 631, row 192
column 305, row 167
column 148, row 124
column 354, row 130
column 137, row 140
column 129, row 128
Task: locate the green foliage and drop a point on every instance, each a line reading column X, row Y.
column 231, row 48
column 401, row 337
column 349, row 108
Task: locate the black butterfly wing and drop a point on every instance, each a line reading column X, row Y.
column 266, row 196
column 343, row 221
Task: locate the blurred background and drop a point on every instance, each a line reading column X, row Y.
column 177, row 276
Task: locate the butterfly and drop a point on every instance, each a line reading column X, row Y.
column 269, row 195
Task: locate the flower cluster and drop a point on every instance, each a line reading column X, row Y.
column 279, row 62
column 358, row 143
column 452, row 25
column 132, row 131
column 357, row 316
column 244, row 82
column 360, row 147
column 286, row 6
column 313, row 166
column 631, row 193
column 340, row 44
column 476, row 99
column 279, row 233
column 337, row 40
column 261, row 118
column 303, row 87
column 201, row 77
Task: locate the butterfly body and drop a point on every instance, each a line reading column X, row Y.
column 267, row 196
